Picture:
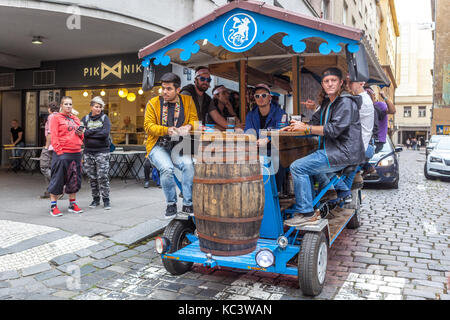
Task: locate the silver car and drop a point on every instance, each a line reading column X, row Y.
column 432, row 143
column 438, row 160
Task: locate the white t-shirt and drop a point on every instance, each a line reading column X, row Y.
column 366, row 114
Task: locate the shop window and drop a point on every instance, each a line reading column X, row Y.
column 407, row 112
column 125, row 108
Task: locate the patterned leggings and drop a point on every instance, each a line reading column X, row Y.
column 96, row 166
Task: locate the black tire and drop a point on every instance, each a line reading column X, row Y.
column 394, row 185
column 176, row 232
column 425, row 173
column 355, row 221
column 311, row 272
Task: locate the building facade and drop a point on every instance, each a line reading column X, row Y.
column 440, row 122
column 413, row 99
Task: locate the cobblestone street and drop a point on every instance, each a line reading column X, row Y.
column 400, row 252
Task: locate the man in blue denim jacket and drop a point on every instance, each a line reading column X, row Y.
column 266, row 115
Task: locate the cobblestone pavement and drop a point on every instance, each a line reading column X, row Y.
column 400, row 251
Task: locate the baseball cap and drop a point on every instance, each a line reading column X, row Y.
column 262, row 86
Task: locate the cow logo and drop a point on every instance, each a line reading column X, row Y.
column 239, row 31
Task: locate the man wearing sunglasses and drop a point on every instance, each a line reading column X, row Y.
column 197, row 90
column 267, row 115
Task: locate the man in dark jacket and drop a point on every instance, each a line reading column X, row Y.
column 340, row 144
column 96, row 152
column 197, row 90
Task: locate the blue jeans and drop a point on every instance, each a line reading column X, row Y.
column 17, row 153
column 165, row 163
column 349, row 180
column 301, row 170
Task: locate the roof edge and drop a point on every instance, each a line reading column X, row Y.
column 260, row 8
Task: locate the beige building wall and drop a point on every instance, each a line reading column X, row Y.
column 415, row 57
column 441, row 69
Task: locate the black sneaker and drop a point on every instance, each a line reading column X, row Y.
column 188, row 209
column 171, row 211
column 106, row 204
column 94, row 203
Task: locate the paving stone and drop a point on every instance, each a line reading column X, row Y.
column 419, row 293
column 83, row 253
column 47, row 275
column 9, row 275
column 102, row 254
column 64, row 259
column 107, row 243
column 36, row 269
column 101, row 264
column 118, row 248
column 159, row 294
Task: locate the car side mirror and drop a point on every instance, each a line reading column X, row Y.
column 398, row 149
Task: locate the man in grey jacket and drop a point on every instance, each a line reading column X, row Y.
column 337, row 123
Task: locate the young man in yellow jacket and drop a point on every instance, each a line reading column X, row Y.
column 166, row 117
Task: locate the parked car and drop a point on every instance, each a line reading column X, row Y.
column 386, row 165
column 438, row 160
column 432, row 143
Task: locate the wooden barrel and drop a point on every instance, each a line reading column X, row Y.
column 228, row 194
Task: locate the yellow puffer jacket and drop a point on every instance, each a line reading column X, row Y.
column 152, row 122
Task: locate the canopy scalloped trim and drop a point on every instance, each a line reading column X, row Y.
column 240, row 30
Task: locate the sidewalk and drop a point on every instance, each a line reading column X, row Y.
column 136, row 213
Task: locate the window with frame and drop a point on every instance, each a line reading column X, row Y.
column 407, row 112
column 422, row 112
column 325, row 6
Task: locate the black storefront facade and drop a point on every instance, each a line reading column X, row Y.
column 117, row 78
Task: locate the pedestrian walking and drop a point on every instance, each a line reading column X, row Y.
column 67, row 138
column 408, row 143
column 45, row 162
column 96, row 154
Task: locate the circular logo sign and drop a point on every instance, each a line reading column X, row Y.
column 239, row 31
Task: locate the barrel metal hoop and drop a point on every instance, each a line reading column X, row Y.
column 226, row 241
column 228, row 219
column 227, row 181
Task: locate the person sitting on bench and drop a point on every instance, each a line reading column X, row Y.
column 337, row 123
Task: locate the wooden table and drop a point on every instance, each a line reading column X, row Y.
column 292, row 145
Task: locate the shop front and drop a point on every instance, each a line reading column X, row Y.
column 117, row 79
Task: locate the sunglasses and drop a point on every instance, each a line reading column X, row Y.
column 264, row 95
column 204, row 79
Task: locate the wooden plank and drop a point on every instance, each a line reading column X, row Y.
column 243, row 88
column 226, row 67
column 296, row 84
column 339, row 220
column 318, row 61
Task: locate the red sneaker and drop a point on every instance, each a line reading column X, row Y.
column 74, row 208
column 54, row 212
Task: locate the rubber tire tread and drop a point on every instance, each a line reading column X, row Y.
column 307, row 260
column 354, row 223
column 173, row 232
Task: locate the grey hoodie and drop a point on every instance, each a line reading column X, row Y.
column 342, row 138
